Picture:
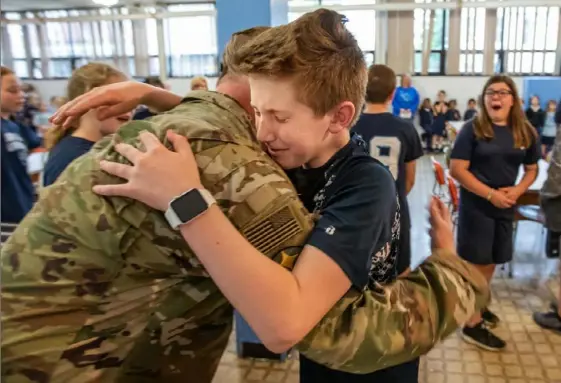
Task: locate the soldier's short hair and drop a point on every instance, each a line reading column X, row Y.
column 317, row 52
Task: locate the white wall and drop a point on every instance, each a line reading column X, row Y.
column 461, row 88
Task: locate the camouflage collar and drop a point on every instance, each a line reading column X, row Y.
column 222, row 100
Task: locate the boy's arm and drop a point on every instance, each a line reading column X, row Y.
column 410, row 173
column 414, row 152
column 372, row 330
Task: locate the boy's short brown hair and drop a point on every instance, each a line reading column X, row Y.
column 317, row 52
column 381, row 84
column 237, row 40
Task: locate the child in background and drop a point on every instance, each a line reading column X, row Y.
column 441, row 98
column 486, row 160
column 536, row 114
column 18, row 192
column 426, row 120
column 471, row 110
column 67, row 144
column 453, row 114
column 550, row 128
column 439, row 122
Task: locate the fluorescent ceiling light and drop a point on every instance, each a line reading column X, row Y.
column 106, row 3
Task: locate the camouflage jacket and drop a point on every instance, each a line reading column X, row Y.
column 551, row 190
column 101, row 289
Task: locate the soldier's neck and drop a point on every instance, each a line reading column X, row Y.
column 239, row 91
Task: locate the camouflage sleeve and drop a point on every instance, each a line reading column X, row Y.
column 56, row 266
column 372, row 330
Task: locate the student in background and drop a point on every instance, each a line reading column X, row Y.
column 143, row 112
column 471, row 110
column 67, row 144
column 453, row 114
column 441, row 98
column 535, row 114
column 199, row 83
column 550, row 128
column 485, row 160
column 18, row 192
column 426, row 119
column 406, row 99
column 438, row 128
column 394, row 142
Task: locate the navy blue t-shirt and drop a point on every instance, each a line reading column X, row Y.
column 18, row 193
column 62, row 154
column 358, row 226
column 494, row 162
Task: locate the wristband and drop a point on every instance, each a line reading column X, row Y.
column 490, row 195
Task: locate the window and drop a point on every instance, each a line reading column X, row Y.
column 17, row 44
column 472, row 40
column 73, row 44
column 438, row 43
column 527, row 40
column 191, row 45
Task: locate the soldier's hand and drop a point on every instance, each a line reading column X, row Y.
column 442, row 228
column 111, row 101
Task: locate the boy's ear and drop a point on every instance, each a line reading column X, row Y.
column 342, row 116
column 392, row 95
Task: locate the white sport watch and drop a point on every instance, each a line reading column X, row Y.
column 188, row 206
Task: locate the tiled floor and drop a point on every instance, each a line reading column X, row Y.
column 532, row 355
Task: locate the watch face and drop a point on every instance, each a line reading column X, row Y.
column 189, row 205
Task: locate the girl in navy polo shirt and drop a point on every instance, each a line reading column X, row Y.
column 18, row 193
column 68, row 143
column 486, row 158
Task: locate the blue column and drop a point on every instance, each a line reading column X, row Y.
column 235, row 15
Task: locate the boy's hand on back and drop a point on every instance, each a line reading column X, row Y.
column 442, row 229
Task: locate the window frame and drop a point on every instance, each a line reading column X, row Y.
column 501, row 53
column 98, row 53
column 442, row 51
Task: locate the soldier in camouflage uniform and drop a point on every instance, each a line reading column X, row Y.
column 100, row 289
